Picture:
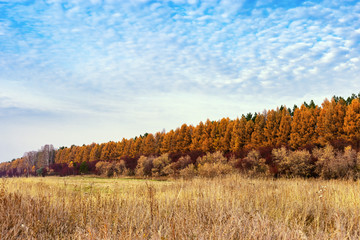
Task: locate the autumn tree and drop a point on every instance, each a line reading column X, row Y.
column 148, row 145
column 87, row 152
column 95, row 153
column 79, row 154
column 249, row 129
column 330, row 121
column 303, row 126
column 109, row 152
column 159, row 138
column 30, row 160
column 241, row 133
column 183, row 138
column 168, row 145
column 207, row 140
column 226, row 128
column 272, row 127
column 197, row 137
column 284, row 128
column 258, row 137
column 215, row 136
column 136, row 147
column 352, row 121
column 128, row 146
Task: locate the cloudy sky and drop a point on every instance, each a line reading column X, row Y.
column 83, row 71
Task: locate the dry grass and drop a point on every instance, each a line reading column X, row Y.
column 231, row 207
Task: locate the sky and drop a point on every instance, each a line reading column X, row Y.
column 83, row 71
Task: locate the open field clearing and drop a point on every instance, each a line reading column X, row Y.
column 231, row 207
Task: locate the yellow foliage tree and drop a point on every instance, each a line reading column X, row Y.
column 148, row 147
column 168, row 145
column 249, row 129
column 272, row 127
column 330, row 120
column 196, row 140
column 257, row 137
column 303, row 126
column 352, row 121
column 284, row 128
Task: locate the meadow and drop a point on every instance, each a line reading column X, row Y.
column 228, row 207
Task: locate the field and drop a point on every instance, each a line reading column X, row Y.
column 231, row 207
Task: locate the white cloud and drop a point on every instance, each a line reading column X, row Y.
column 119, row 58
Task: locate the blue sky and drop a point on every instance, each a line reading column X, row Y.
column 77, row 72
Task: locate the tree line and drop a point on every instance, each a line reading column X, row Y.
column 335, row 123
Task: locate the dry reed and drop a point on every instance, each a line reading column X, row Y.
column 230, row 207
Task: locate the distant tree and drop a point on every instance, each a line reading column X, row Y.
column 183, row 140
column 330, row 121
column 197, row 137
column 303, row 127
column 148, row 147
column 84, row 168
column 95, row 153
column 352, row 121
column 226, row 129
column 272, row 127
column 249, row 116
column 284, row 128
column 258, row 137
column 249, row 129
column 239, row 134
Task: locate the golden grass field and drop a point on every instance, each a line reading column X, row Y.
column 230, row 207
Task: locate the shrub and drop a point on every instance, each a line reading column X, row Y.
column 213, row 164
column 351, row 159
column 144, row 166
column 84, row 168
column 174, row 168
column 207, row 170
column 189, row 171
column 119, row 168
column 300, row 163
column 104, row 168
column 334, row 164
column 183, row 162
column 41, row 171
column 254, row 164
column 235, row 162
column 214, row 169
column 293, row 163
column 128, row 172
column 159, row 164
column 216, row 157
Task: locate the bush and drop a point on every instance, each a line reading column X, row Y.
column 254, row 164
column 213, row 164
column 334, row 164
column 293, row 163
column 119, row 168
column 144, row 166
column 110, row 169
column 189, row 171
column 84, row 168
column 41, row 171
column 216, row 157
column 104, row 168
column 174, row 168
column 350, row 158
column 159, row 165
column 214, row 169
column 128, row 172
